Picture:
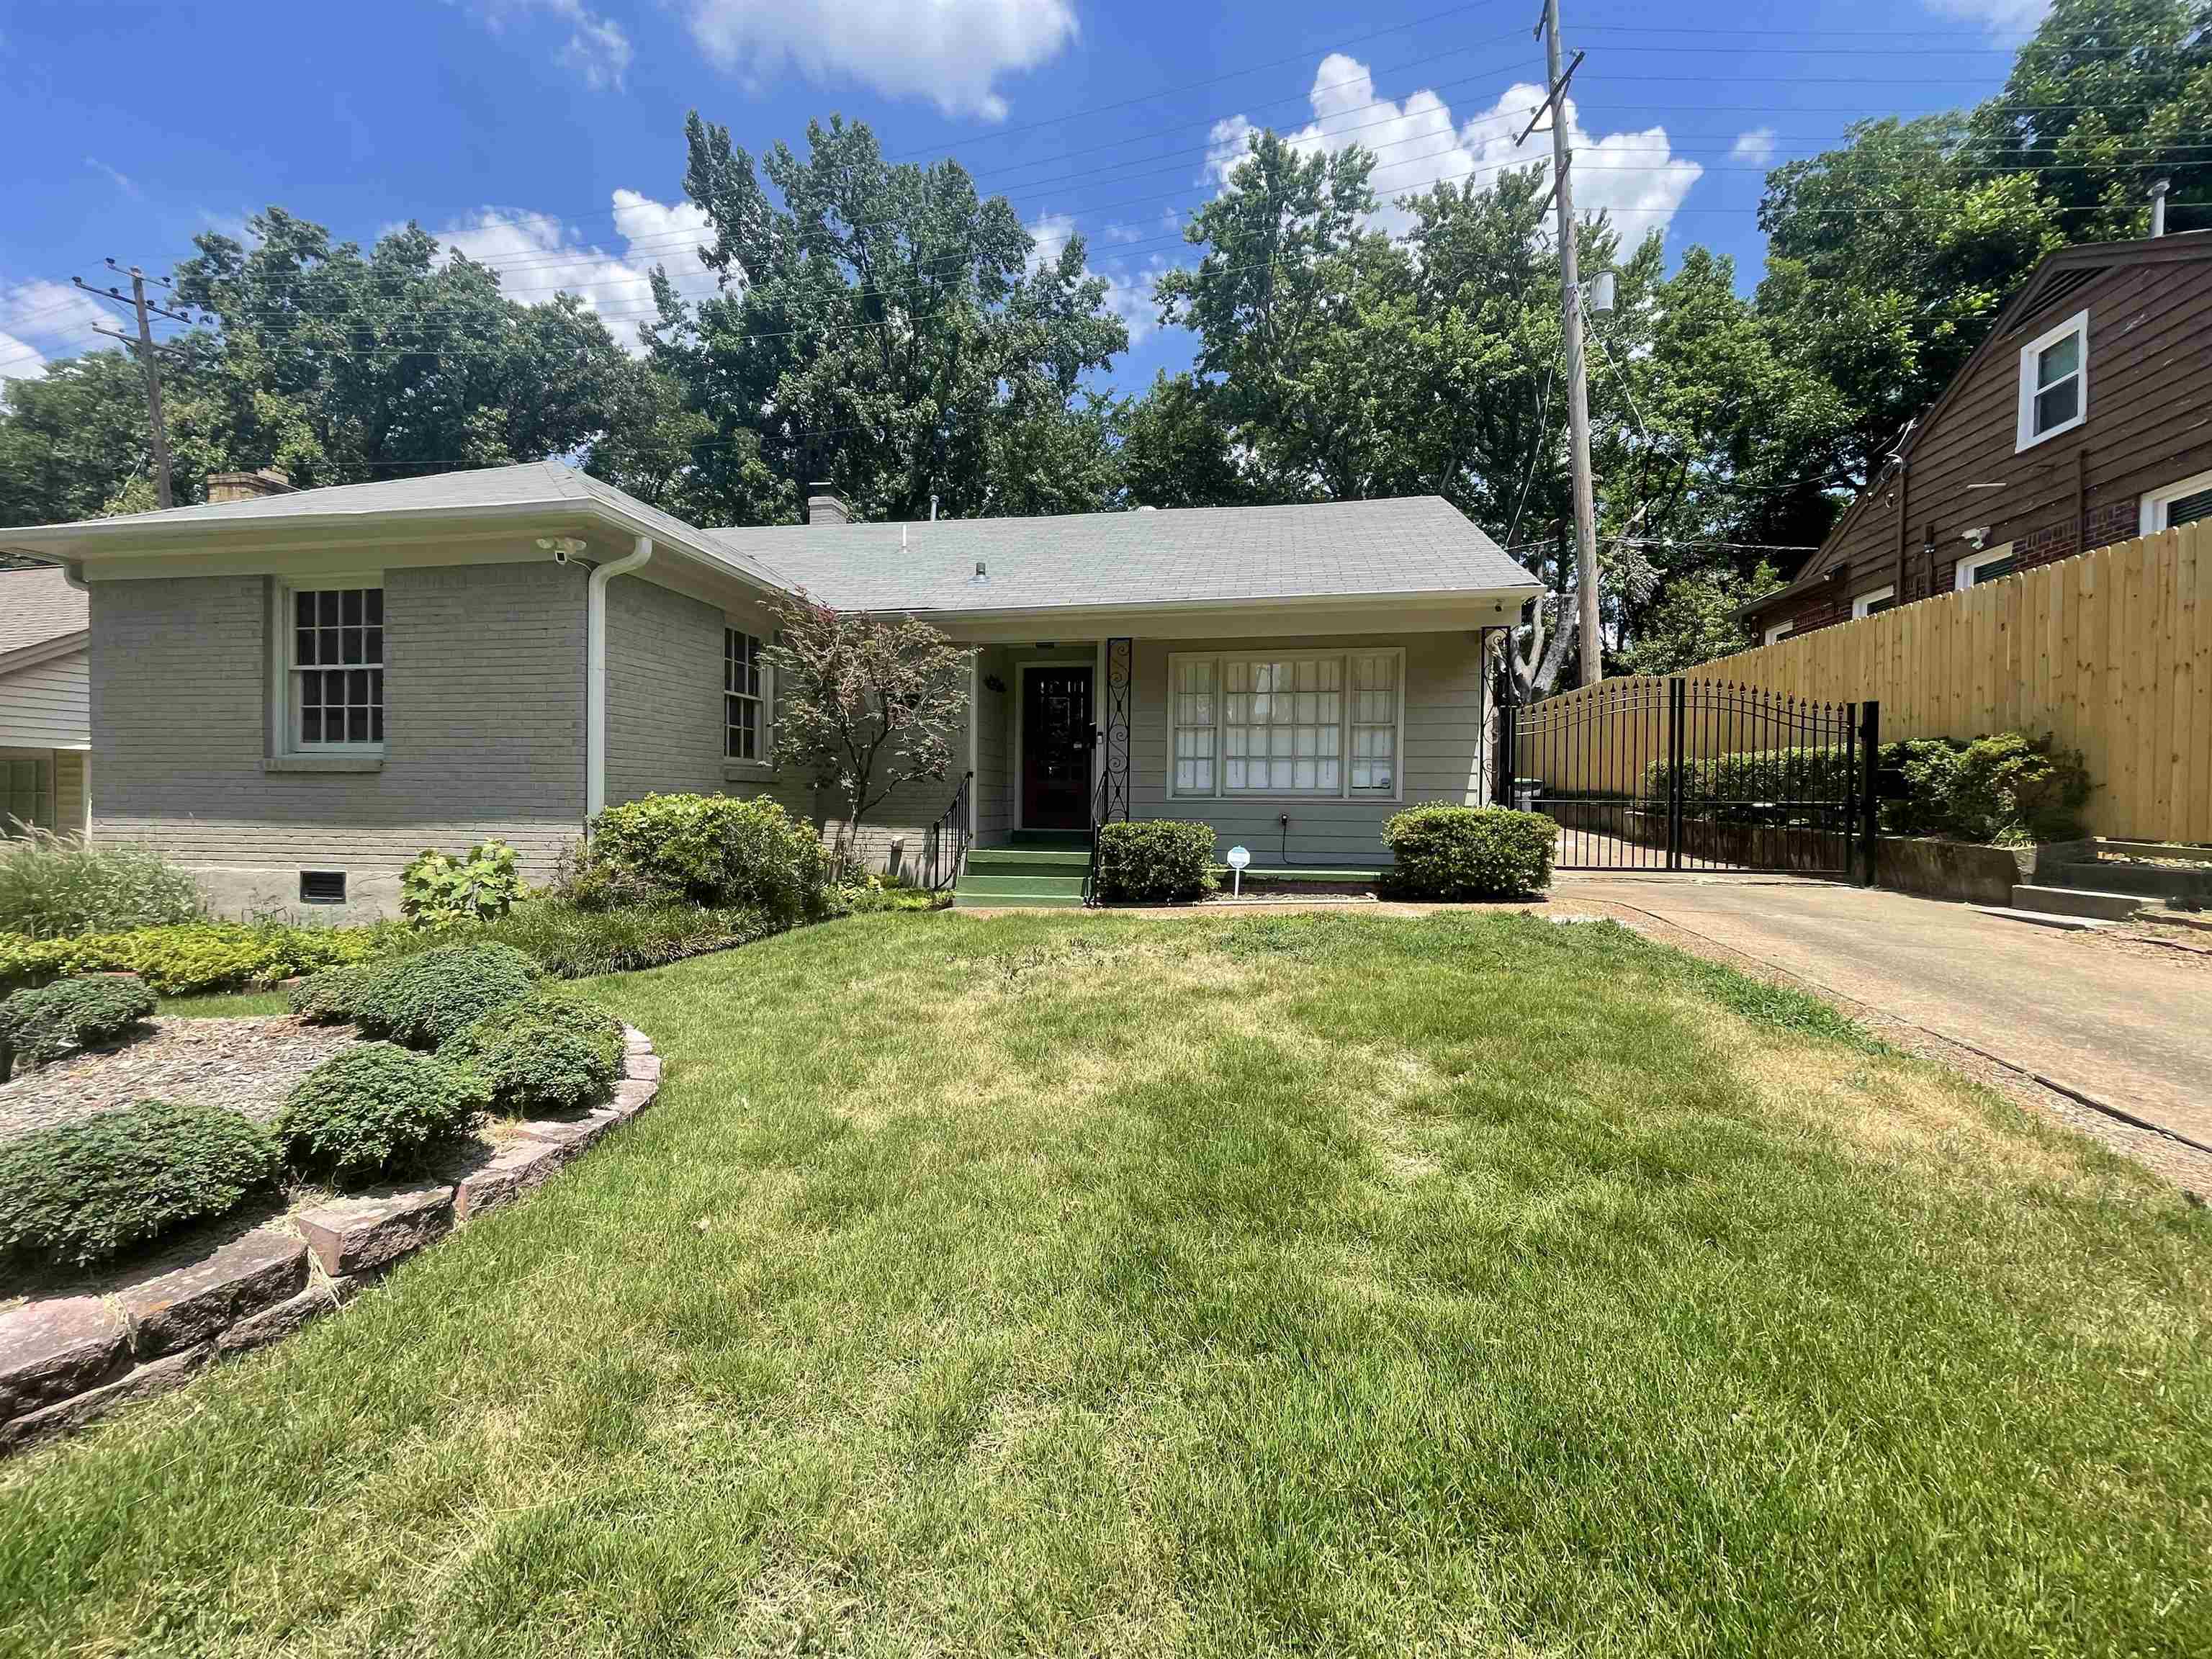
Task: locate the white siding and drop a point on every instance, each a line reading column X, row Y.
column 47, row 705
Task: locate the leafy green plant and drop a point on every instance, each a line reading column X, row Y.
column 426, row 999
column 1454, row 853
column 49, row 1021
column 439, row 891
column 570, row 941
column 81, row 1193
column 333, row 996
column 545, row 1054
column 188, row 958
column 712, row 850
column 52, row 886
column 376, row 1110
column 2013, row 788
column 1155, row 861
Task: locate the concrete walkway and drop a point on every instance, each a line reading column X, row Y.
column 2105, row 1014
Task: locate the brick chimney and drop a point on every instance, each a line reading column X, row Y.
column 223, row 487
column 825, row 506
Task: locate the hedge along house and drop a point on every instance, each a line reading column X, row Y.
column 2082, row 420
column 293, row 693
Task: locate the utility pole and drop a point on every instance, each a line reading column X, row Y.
column 1571, row 303
column 148, row 350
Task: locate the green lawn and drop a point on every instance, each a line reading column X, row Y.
column 1316, row 1284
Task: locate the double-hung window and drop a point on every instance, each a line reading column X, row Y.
column 2054, row 382
column 746, row 696
column 2178, row 504
column 1325, row 724
column 1873, row 604
column 333, row 667
column 1979, row 567
column 26, row 795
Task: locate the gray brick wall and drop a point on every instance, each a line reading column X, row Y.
column 664, row 691
column 484, row 734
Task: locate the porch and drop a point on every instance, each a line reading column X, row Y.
column 1298, row 748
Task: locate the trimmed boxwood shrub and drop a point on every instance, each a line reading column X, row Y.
column 1155, row 861
column 547, row 1054
column 426, row 1000
column 375, row 1110
column 333, row 997
column 195, row 956
column 1452, row 853
column 81, row 1193
column 714, row 850
column 44, row 1025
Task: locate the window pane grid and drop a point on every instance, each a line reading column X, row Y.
column 745, row 714
column 1317, row 725
column 338, row 667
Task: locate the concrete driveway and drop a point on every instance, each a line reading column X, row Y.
column 2108, row 1015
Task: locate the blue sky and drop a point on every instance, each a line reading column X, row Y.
column 546, row 135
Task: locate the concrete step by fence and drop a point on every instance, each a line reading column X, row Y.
column 2076, row 902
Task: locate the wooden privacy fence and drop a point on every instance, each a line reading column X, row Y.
column 2110, row 652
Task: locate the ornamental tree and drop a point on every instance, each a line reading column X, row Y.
column 865, row 703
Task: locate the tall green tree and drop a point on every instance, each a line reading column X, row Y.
column 886, row 329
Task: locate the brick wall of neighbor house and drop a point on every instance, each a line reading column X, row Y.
column 1443, row 759
column 2149, row 426
column 485, row 700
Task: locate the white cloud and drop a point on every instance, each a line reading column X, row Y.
column 1635, row 176
column 597, row 50
column 121, row 180
column 40, row 321
column 1128, row 295
column 1998, row 16
column 951, row 52
column 539, row 257
column 1755, row 147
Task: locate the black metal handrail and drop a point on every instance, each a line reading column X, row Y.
column 1098, row 817
column 950, row 830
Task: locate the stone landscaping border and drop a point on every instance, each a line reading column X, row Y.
column 65, row 1360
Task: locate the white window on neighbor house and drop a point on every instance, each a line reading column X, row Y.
column 2186, row 502
column 746, row 697
column 1873, row 604
column 26, row 794
column 1780, row 631
column 333, row 667
column 2054, row 382
column 1327, row 724
column 1979, row 567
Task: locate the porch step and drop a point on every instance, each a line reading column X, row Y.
column 1023, row 892
column 994, row 882
column 2076, row 902
column 1063, row 840
column 1027, row 861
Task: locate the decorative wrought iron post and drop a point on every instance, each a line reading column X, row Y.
column 1121, row 664
column 1677, row 706
column 1870, row 792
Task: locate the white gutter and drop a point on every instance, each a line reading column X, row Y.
column 595, row 673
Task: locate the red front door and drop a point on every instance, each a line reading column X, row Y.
column 1056, row 747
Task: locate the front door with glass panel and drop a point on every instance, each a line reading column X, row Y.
column 1056, row 747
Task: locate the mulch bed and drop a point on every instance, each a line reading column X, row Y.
column 249, row 1064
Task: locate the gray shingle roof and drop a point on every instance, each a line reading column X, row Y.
column 1411, row 546
column 38, row 605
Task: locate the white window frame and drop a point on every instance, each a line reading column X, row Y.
column 1344, row 791
column 2155, row 502
column 1777, row 632
column 285, row 708
column 1863, row 605
column 1962, row 573
column 765, row 760
column 2026, row 436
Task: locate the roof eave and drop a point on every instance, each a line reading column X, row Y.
column 1518, row 592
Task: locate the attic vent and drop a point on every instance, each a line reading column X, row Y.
column 322, row 887
column 2066, row 283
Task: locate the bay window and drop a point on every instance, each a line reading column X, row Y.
column 1308, row 723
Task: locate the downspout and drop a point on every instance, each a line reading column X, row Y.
column 595, row 673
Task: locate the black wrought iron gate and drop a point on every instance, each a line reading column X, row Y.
column 1683, row 774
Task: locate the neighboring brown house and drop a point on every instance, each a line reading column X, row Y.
column 2085, row 418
